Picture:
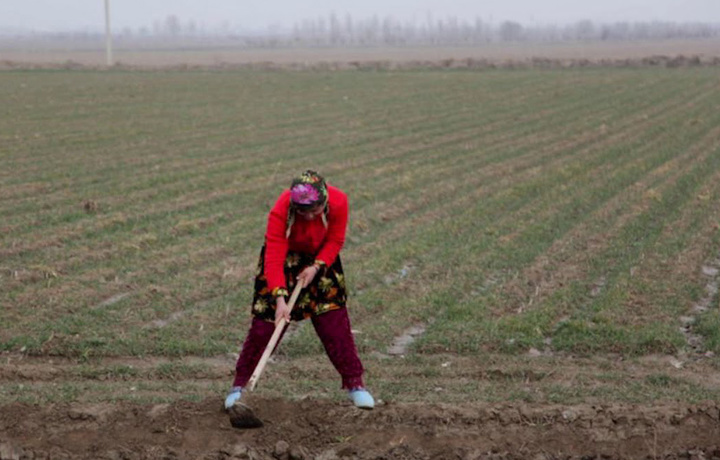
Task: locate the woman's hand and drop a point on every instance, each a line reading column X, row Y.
column 308, row 275
column 282, row 310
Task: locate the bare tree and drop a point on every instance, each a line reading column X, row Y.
column 511, row 31
column 172, row 26
column 585, row 30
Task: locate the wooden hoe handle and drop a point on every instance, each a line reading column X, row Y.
column 273, row 341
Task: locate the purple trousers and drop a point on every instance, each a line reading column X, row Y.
column 333, row 329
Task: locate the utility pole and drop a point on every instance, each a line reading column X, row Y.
column 108, row 35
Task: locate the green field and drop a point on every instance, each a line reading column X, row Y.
column 524, row 219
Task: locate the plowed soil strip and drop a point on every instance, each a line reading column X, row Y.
column 315, row 429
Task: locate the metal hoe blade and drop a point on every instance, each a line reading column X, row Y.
column 242, row 416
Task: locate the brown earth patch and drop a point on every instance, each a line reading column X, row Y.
column 671, row 62
column 316, row 427
column 175, row 55
column 321, row 429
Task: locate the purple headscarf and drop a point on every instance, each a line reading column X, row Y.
column 308, row 190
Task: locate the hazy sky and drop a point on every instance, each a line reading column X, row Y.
column 56, row 15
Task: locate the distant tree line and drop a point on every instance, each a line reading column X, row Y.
column 333, row 30
column 452, row 31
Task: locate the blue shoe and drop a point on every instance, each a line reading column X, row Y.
column 361, row 398
column 233, row 397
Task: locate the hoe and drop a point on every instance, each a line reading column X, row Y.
column 241, row 415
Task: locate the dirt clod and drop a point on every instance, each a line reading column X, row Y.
column 299, row 453
column 9, row 452
column 282, row 450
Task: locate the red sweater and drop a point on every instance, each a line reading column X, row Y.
column 306, row 236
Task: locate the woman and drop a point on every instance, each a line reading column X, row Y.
column 305, row 232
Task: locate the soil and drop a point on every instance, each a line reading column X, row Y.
column 314, row 429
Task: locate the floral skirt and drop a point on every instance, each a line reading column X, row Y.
column 326, row 292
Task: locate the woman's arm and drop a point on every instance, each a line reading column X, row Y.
column 337, row 226
column 276, row 244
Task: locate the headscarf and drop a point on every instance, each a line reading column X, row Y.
column 307, row 191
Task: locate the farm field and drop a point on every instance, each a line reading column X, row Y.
column 533, row 260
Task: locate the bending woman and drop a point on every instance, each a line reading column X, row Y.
column 305, row 233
